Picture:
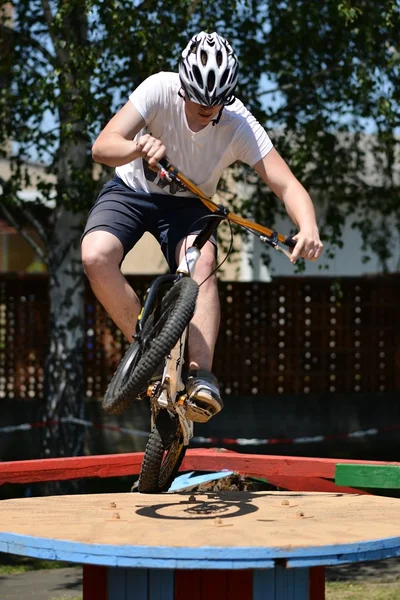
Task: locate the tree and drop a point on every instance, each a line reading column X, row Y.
column 331, row 90
column 70, row 64
column 334, row 73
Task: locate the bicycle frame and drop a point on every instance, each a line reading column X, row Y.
column 171, row 391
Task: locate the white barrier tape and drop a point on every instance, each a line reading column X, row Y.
column 204, row 440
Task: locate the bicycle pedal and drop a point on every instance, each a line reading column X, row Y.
column 197, row 413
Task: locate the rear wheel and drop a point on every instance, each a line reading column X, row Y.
column 163, row 455
column 159, row 335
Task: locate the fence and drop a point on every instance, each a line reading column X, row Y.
column 295, row 335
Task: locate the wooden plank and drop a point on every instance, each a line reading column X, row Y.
column 214, row 585
column 264, row 584
column 74, row 467
column 317, row 583
column 94, row 582
column 222, row 585
column 240, row 585
column 129, row 584
column 115, row 465
column 161, row 585
column 291, row 584
column 368, row 476
column 265, row 465
column 310, row 484
column 117, row 585
column 187, row 584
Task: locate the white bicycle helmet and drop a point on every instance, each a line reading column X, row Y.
column 208, row 69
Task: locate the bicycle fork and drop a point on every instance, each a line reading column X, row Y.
column 173, row 392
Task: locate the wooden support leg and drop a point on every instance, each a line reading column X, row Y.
column 317, row 583
column 95, row 582
column 165, row 584
column 213, row 585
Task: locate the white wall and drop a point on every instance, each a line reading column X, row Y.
column 347, row 261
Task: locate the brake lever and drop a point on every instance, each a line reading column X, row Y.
column 274, row 242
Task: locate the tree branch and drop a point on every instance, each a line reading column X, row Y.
column 62, row 54
column 47, row 13
column 27, row 40
column 9, row 217
column 26, row 212
column 145, row 6
column 36, row 224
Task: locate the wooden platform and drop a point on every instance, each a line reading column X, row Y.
column 227, row 530
column 214, row 546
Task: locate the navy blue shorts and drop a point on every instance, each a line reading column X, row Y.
column 129, row 214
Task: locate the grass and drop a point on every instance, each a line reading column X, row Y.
column 12, row 564
column 351, row 590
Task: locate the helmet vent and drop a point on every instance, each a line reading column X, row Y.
column 224, row 78
column 203, row 57
column 197, row 75
column 219, row 58
column 211, row 81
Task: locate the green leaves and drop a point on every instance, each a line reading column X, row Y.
column 349, row 12
column 321, row 76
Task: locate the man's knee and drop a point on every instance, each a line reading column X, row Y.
column 207, row 261
column 101, row 251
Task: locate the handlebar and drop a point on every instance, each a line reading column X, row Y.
column 169, row 171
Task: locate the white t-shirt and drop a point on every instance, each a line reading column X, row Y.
column 201, row 156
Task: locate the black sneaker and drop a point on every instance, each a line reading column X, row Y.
column 204, row 400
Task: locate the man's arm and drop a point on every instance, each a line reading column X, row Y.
column 299, row 206
column 115, row 145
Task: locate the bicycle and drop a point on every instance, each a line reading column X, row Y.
column 153, row 364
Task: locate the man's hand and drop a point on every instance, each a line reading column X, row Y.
column 308, row 245
column 151, row 149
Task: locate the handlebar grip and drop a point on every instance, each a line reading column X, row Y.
column 289, row 241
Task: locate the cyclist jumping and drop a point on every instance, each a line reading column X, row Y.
column 194, row 118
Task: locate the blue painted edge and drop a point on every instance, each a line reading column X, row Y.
column 379, row 554
column 194, row 558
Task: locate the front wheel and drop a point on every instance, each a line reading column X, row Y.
column 163, row 454
column 159, row 335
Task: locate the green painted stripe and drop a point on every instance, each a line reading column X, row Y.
column 368, row 476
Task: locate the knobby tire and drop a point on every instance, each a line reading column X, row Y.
column 163, row 455
column 159, row 335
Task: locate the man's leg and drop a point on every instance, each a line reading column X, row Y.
column 203, row 331
column 102, row 253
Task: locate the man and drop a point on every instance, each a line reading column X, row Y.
column 194, row 118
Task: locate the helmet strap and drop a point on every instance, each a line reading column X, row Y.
column 216, row 121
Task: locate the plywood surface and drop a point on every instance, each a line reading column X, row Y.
column 265, row 519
